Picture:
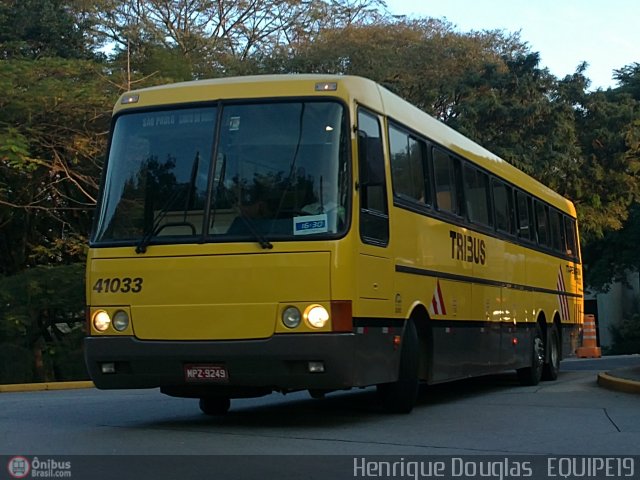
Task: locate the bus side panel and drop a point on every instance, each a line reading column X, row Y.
column 434, row 265
column 572, row 327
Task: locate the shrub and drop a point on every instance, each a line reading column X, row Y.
column 626, row 334
column 42, row 319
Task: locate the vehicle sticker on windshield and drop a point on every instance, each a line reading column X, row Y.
column 310, row 224
column 234, row 124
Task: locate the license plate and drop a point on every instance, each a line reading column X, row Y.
column 205, row 373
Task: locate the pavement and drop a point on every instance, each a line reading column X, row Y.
column 621, row 379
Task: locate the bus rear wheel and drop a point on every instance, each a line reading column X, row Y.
column 400, row 396
column 551, row 369
column 533, row 374
column 215, row 405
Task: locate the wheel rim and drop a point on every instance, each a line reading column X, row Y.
column 554, row 351
column 538, row 352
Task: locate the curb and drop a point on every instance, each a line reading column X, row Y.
column 604, row 380
column 616, row 383
column 39, row 387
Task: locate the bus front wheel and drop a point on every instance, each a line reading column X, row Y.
column 215, row 405
column 400, row 396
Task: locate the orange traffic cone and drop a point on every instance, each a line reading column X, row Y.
column 589, row 348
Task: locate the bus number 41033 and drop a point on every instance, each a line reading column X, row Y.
column 118, row 285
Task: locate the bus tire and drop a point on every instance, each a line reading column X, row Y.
column 215, row 405
column 532, row 374
column 317, row 394
column 552, row 367
column 400, row 396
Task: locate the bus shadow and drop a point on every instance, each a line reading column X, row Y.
column 335, row 409
column 465, row 388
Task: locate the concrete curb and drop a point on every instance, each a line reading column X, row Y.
column 39, row 387
column 616, row 383
column 604, row 380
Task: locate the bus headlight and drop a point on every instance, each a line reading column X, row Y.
column 291, row 317
column 316, row 316
column 101, row 320
column 120, row 320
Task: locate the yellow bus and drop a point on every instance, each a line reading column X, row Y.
column 315, row 232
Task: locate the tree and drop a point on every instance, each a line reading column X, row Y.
column 421, row 60
column 53, row 125
column 609, row 136
column 210, row 37
column 42, row 310
column 610, row 258
column 42, row 28
column 628, row 78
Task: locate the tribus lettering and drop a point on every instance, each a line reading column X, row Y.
column 467, row 248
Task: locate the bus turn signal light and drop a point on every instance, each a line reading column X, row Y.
column 341, row 316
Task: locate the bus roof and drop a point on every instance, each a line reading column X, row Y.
column 351, row 89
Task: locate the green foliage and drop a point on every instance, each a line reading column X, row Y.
column 608, row 136
column 422, row 60
column 509, row 110
column 626, row 334
column 611, row 257
column 215, row 38
column 42, row 312
column 628, row 78
column 14, row 151
column 16, row 364
column 53, row 122
column 41, row 28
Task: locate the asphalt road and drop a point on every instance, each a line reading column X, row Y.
column 490, row 415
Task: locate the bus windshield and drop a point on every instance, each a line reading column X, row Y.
column 226, row 173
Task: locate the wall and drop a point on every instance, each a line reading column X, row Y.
column 613, row 304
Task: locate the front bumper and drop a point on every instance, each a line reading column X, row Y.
column 254, row 367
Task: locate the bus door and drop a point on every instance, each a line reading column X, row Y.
column 513, row 211
column 374, row 265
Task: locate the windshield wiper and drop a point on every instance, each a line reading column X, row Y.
column 248, row 221
column 156, row 227
column 191, row 189
column 292, row 167
column 251, row 225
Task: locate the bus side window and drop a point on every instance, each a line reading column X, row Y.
column 417, row 156
column 374, row 217
column 446, row 175
column 557, row 233
column 408, row 166
column 523, row 207
column 570, row 235
column 542, row 224
column 503, row 206
column 476, row 194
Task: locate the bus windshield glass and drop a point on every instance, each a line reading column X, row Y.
column 226, row 173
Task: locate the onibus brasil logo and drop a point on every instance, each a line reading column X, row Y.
column 19, row 467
